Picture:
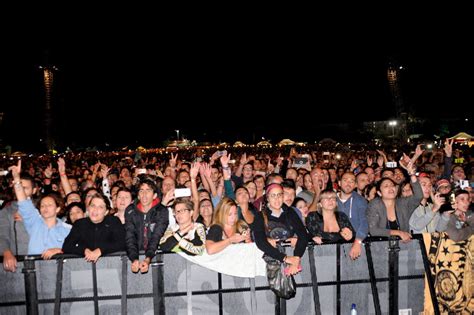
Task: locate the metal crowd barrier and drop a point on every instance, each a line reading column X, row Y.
column 388, row 276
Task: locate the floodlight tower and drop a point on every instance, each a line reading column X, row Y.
column 393, row 76
column 48, row 79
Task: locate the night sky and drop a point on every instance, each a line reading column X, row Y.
column 317, row 77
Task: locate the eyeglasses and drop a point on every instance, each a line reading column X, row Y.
column 180, row 211
column 276, row 195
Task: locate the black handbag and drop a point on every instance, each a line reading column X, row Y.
column 282, row 285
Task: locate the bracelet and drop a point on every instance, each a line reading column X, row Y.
column 225, row 167
column 18, row 183
column 62, row 174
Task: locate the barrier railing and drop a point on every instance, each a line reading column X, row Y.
column 389, row 276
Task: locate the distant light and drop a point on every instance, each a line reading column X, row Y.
column 392, row 123
column 429, row 146
column 401, row 68
column 338, row 156
column 467, row 119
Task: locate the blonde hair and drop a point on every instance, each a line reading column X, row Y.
column 221, row 213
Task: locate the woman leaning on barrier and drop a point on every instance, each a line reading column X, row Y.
column 98, row 234
column 329, row 225
column 278, row 222
column 226, row 229
column 389, row 215
column 184, row 236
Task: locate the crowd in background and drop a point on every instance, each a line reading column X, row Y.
column 206, row 199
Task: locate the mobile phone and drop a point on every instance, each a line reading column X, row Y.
column 3, row 173
column 449, row 200
column 141, row 171
column 182, row 192
column 221, row 153
column 391, row 164
column 299, row 162
column 463, row 184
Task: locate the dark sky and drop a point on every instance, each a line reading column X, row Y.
column 317, row 77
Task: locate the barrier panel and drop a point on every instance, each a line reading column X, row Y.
column 390, row 278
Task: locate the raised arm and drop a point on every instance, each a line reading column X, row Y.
column 19, row 191
column 448, row 159
column 243, row 160
column 194, row 191
column 63, row 176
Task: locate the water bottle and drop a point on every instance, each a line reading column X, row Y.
column 353, row 309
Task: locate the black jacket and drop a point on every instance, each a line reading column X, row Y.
column 137, row 224
column 108, row 235
column 288, row 219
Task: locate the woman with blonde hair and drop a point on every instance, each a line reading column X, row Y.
column 226, row 229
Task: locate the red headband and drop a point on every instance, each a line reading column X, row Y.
column 271, row 186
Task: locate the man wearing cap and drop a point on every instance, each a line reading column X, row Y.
column 443, row 186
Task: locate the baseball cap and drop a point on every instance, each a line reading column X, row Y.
column 442, row 182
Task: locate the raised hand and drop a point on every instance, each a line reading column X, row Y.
column 243, row 159
column 16, row 171
column 194, row 170
column 173, row 160
column 370, row 160
column 418, row 151
column 61, row 166
column 225, row 159
column 404, row 160
column 104, row 170
column 448, row 147
column 411, row 169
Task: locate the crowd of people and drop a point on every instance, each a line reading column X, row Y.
column 91, row 204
